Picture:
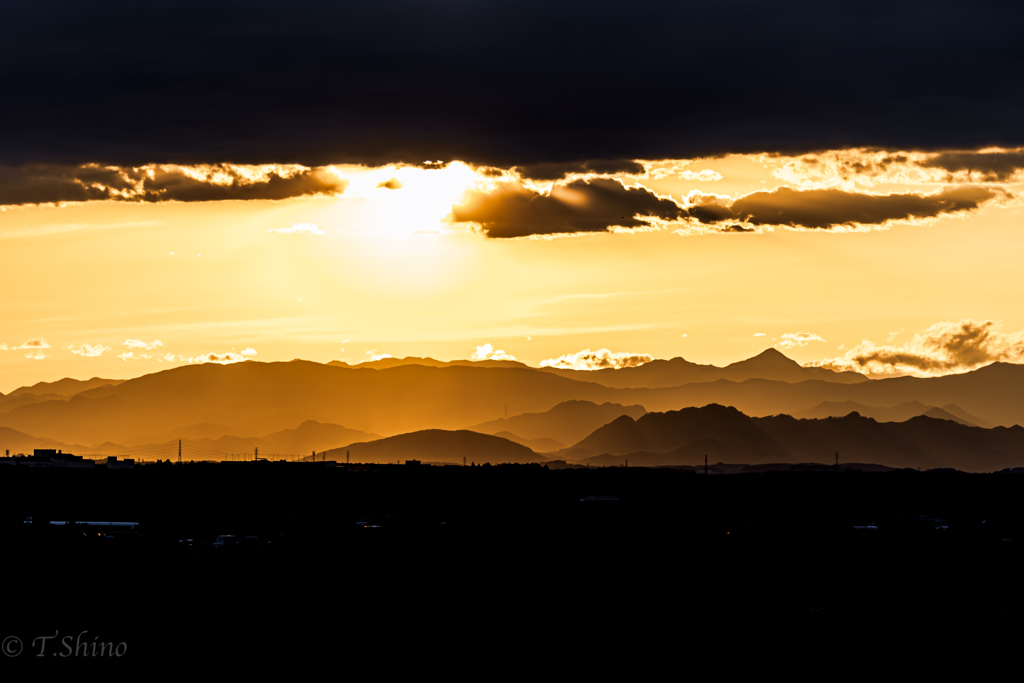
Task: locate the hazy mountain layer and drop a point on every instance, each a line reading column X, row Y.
column 536, row 445
column 567, row 422
column 900, row 413
column 65, row 387
column 414, row 397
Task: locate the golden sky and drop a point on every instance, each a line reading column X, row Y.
column 836, row 248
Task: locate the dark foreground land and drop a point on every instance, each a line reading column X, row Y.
column 372, row 561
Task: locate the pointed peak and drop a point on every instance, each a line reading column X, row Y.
column 771, row 356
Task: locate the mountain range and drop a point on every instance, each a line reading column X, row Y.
column 228, row 408
column 684, row 437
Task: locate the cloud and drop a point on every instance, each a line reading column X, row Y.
column 793, row 340
column 88, row 350
column 759, row 334
column 554, row 91
column 822, row 209
column 372, row 355
column 222, row 358
column 3, row 347
column 581, row 206
column 54, row 183
column 38, row 355
column 139, row 344
column 298, row 228
column 391, row 184
column 33, row 344
column 680, row 171
column 487, row 352
column 131, row 355
column 249, row 352
column 559, row 170
column 169, row 357
column 943, row 348
column 596, row 360
column 599, row 205
column 998, row 166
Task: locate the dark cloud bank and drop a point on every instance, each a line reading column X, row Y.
column 500, row 83
column 600, row 204
column 54, row 183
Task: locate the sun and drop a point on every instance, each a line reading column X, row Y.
column 407, row 200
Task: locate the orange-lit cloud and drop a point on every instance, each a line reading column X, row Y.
column 88, row 350
column 942, row 348
column 139, row 344
column 793, row 340
column 33, row 344
column 222, row 358
column 487, row 352
column 390, row 184
column 596, row 360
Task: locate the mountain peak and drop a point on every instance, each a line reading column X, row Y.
column 770, row 356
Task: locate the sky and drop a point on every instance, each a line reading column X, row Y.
column 576, row 185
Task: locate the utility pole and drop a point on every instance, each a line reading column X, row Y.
column 179, row 451
column 255, row 454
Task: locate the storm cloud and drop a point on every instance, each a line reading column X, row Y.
column 55, row 183
column 315, row 82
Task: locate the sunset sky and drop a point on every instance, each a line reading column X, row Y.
column 367, row 223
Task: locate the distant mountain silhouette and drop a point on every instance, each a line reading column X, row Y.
column 65, row 387
column 414, row 397
column 386, row 363
column 395, row 400
column 965, row 417
column 19, row 442
column 899, row 413
column 307, row 437
column 659, row 432
column 567, row 422
column 437, row 445
column 770, row 364
column 542, row 445
column 725, row 434
column 9, row 403
column 940, row 414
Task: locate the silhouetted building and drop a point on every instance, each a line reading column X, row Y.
column 48, row 457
